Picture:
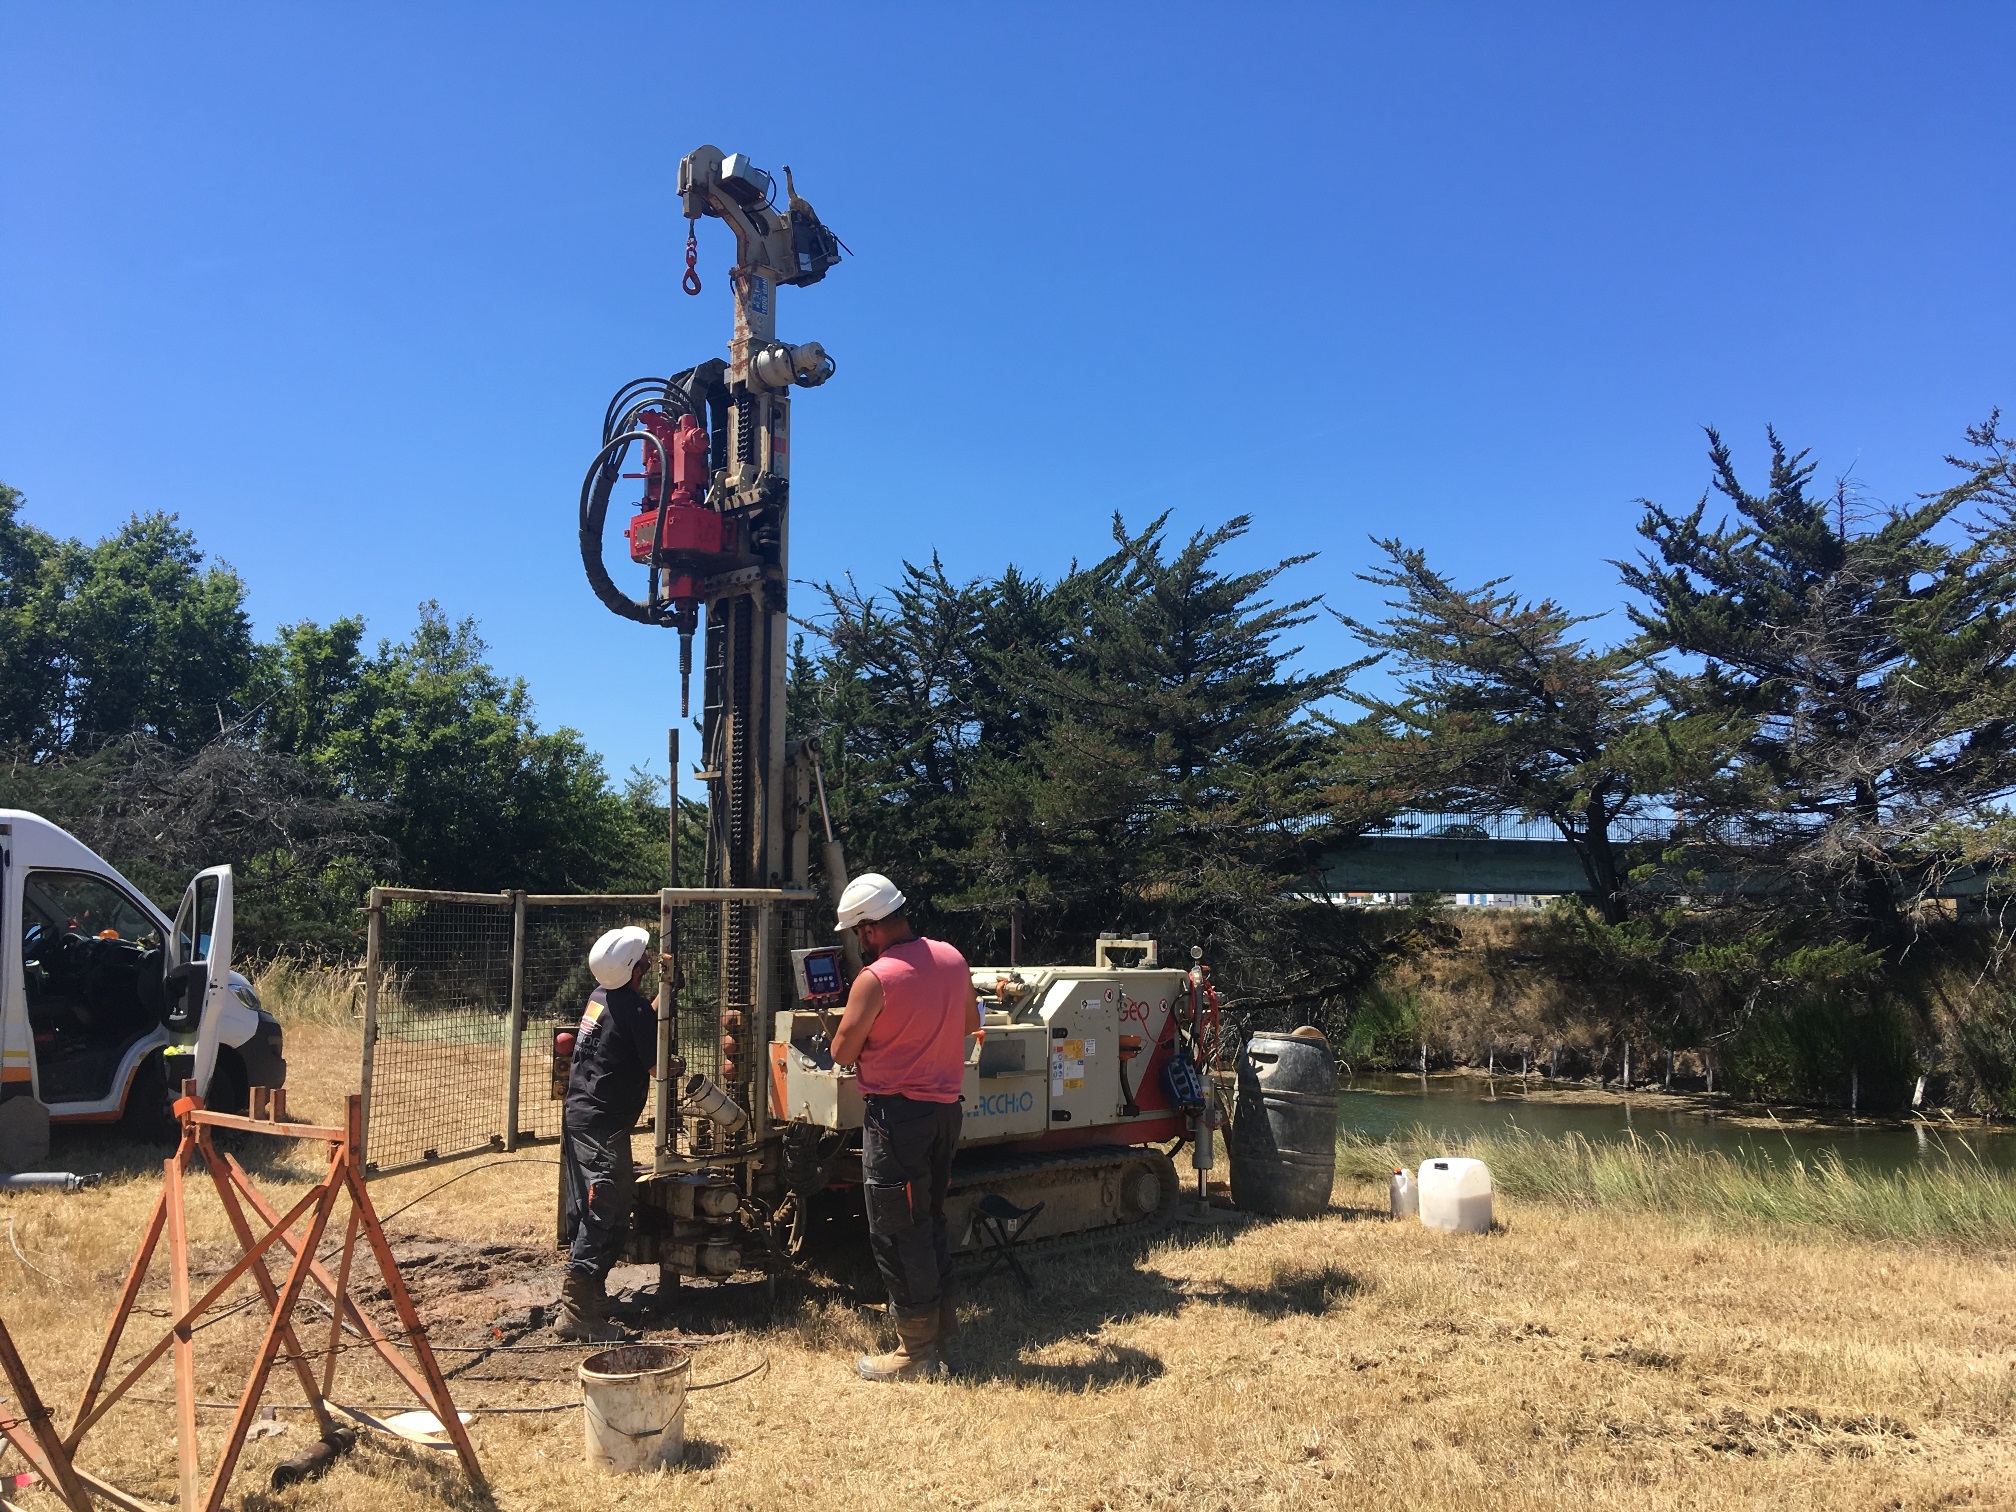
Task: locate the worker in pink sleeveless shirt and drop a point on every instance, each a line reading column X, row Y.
column 904, row 1028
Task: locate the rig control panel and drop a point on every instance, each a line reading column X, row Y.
column 816, row 975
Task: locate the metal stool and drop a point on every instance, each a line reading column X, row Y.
column 1001, row 1224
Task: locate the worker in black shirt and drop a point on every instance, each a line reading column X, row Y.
column 615, row 1056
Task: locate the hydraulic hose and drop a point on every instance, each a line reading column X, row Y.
column 626, row 395
column 602, row 475
column 671, row 396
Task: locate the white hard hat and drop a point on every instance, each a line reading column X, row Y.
column 868, row 897
column 613, row 957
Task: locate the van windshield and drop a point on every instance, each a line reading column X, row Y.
column 78, row 903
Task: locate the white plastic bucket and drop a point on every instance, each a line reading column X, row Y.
column 633, row 1406
column 1455, row 1195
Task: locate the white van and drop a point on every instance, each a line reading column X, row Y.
column 106, row 1007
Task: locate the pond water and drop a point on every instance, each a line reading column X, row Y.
column 1377, row 1106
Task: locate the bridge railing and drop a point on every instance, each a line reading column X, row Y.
column 1423, row 824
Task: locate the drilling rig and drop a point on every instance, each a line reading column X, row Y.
column 1080, row 1073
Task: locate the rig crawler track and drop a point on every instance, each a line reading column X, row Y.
column 1092, row 1197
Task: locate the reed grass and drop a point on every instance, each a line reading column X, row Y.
column 1952, row 1198
column 304, row 992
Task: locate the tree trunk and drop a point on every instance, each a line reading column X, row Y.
column 1598, row 857
column 1878, row 895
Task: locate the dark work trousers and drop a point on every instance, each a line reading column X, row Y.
column 906, row 1165
column 595, row 1186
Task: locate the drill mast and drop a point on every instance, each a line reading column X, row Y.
column 713, row 528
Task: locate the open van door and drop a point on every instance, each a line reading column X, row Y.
column 24, row 1118
column 196, row 978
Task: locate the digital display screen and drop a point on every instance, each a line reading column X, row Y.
column 822, row 974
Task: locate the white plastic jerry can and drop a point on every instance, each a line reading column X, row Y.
column 1455, row 1195
column 1405, row 1198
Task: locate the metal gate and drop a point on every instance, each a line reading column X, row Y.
column 465, row 991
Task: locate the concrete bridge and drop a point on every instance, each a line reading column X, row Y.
column 1452, row 864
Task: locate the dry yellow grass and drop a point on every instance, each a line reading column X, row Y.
column 1578, row 1358
column 299, row 992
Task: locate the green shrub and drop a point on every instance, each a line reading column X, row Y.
column 1812, row 1049
column 1383, row 1026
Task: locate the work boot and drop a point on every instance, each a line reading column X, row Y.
column 915, row 1357
column 583, row 1313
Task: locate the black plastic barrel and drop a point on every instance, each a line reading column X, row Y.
column 1284, row 1129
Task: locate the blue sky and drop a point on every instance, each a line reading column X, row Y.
column 348, row 287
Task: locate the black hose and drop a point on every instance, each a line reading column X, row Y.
column 669, row 403
column 640, row 393
column 318, row 1457
column 670, row 399
column 602, row 475
column 623, row 397
column 684, row 393
column 619, row 426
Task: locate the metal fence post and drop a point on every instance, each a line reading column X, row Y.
column 374, row 928
column 515, row 1031
column 665, row 1130
column 755, row 1036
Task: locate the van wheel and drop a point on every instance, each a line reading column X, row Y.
column 149, row 1115
column 229, row 1090
column 150, row 1102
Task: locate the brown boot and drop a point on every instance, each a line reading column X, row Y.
column 948, row 1325
column 915, row 1357
column 583, row 1315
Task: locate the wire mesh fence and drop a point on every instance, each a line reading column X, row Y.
column 437, row 1010
column 733, row 969
column 464, row 993
column 556, row 984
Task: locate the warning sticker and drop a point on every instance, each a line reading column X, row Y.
column 1067, row 1066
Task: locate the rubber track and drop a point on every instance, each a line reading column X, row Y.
column 1001, row 1173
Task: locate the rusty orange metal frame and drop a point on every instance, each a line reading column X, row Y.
column 33, row 1431
column 54, row 1454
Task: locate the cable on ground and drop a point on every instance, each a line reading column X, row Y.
column 761, row 1365
column 488, row 1165
column 24, row 1259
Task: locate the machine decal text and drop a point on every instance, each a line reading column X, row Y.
column 1002, row 1103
